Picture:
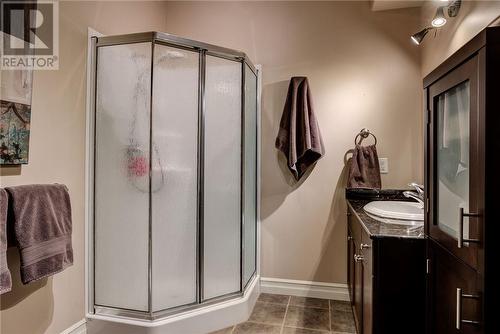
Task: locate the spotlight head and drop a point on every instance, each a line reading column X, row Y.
column 419, row 36
column 439, row 19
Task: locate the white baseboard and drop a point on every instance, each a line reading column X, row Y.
column 79, row 328
column 333, row 291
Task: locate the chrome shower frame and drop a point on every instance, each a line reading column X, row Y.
column 203, row 49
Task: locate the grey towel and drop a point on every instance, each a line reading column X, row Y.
column 5, row 279
column 299, row 137
column 364, row 171
column 42, row 229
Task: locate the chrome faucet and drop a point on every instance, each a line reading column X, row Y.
column 417, row 195
column 419, row 188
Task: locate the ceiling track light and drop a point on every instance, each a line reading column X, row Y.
column 419, row 36
column 439, row 19
column 454, row 8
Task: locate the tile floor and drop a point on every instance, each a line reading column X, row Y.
column 279, row 314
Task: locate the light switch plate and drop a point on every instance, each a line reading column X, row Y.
column 384, row 165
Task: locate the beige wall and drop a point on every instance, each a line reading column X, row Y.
column 57, row 154
column 363, row 72
column 473, row 17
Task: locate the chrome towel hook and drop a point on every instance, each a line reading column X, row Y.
column 363, row 134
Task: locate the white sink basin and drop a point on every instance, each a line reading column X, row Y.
column 396, row 210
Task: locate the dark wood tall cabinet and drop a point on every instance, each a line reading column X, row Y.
column 462, row 179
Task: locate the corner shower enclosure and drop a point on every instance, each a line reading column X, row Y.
column 173, row 175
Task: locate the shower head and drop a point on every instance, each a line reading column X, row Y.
column 169, row 55
column 175, row 54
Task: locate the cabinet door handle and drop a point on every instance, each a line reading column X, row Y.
column 458, row 316
column 349, row 238
column 460, row 238
column 364, row 246
column 358, row 258
column 459, row 320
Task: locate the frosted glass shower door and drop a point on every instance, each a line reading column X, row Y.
column 122, row 176
column 222, row 178
column 250, row 176
column 174, row 175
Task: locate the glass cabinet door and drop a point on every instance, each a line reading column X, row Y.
column 452, row 152
column 455, row 176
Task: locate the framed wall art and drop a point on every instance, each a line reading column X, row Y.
column 15, row 114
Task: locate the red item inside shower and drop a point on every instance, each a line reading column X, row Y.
column 138, row 166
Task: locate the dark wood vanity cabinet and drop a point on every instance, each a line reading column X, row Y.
column 360, row 273
column 462, row 184
column 386, row 281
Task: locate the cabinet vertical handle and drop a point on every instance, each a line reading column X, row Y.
column 460, row 238
column 459, row 320
column 459, row 309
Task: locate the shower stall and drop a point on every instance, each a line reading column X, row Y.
column 172, row 176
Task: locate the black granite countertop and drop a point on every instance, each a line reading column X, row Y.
column 378, row 229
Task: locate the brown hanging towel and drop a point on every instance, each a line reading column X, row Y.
column 5, row 278
column 42, row 228
column 299, row 137
column 364, row 171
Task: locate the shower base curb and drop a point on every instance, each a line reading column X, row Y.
column 199, row 321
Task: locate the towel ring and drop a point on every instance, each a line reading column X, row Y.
column 363, row 134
